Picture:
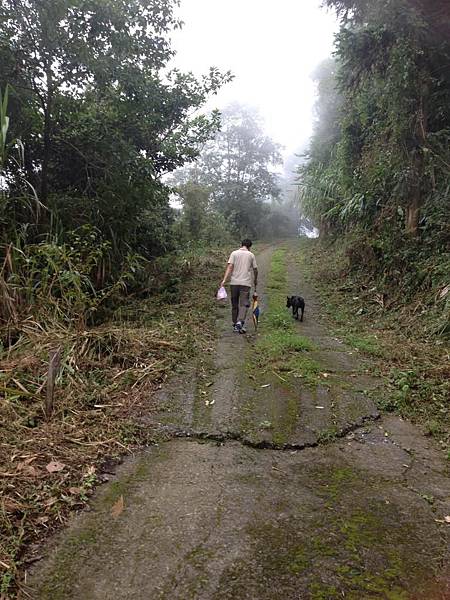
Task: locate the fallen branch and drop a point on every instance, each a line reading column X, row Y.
column 53, row 368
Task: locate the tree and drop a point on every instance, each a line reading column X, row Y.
column 238, row 167
column 435, row 12
column 195, row 204
column 59, row 46
column 318, row 176
column 328, row 107
column 100, row 120
column 198, row 221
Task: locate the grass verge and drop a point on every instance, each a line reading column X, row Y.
column 49, row 466
column 279, row 348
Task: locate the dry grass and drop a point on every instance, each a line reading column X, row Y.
column 49, row 466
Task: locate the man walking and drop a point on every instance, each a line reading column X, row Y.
column 243, row 270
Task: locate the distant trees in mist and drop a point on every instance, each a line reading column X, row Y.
column 236, row 172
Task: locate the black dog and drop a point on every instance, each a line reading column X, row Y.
column 296, row 302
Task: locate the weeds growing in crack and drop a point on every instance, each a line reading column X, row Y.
column 279, row 348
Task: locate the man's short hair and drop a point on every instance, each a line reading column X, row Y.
column 247, row 243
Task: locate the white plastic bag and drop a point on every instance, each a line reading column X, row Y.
column 222, row 294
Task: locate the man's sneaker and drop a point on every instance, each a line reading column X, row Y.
column 236, row 328
column 240, row 327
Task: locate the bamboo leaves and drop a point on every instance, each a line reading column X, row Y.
column 385, row 167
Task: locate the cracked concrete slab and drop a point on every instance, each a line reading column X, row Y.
column 202, row 520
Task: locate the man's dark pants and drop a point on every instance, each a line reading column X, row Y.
column 240, row 302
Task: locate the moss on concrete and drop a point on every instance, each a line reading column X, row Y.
column 359, row 548
column 98, row 529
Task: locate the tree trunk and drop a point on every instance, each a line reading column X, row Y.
column 413, row 214
column 47, row 134
column 419, row 167
column 46, row 153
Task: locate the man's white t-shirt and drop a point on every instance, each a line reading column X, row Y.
column 243, row 262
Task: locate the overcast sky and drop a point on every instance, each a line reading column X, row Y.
column 271, row 46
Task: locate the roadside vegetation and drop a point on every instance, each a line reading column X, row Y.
column 376, row 179
column 91, row 278
column 102, row 402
